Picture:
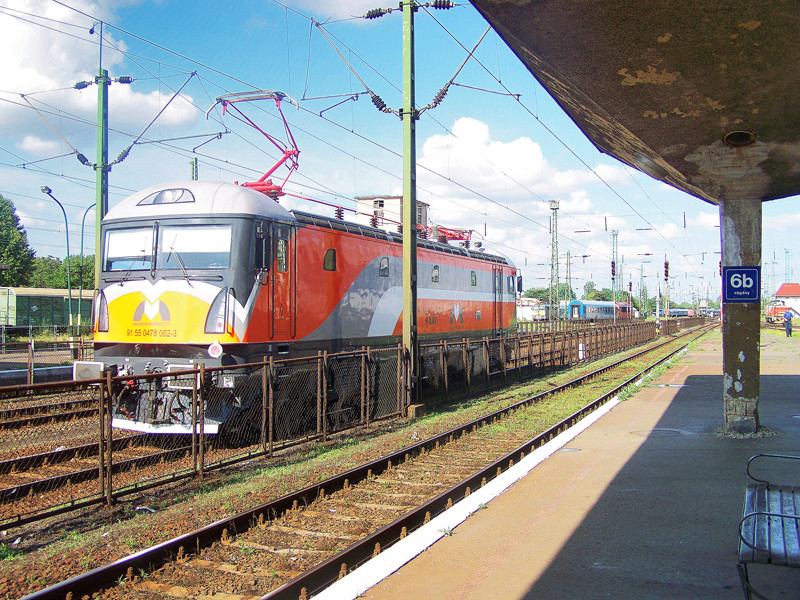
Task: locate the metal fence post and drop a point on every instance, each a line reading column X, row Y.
column 325, row 396
column 194, row 421
column 363, row 383
column 271, row 405
column 30, row 361
column 105, row 388
column 502, row 343
column 202, row 419
column 320, row 376
column 443, row 354
column 485, row 344
column 367, row 408
column 264, row 408
column 401, row 372
column 109, row 446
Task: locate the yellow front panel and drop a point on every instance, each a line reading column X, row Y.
column 172, row 317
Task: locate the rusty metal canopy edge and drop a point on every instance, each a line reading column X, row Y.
column 701, row 95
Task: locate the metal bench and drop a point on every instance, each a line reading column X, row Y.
column 768, row 531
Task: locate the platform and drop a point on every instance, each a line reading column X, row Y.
column 643, row 504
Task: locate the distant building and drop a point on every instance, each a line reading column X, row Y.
column 787, row 296
column 788, row 290
column 386, row 212
column 531, row 309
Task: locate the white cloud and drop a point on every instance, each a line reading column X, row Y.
column 784, row 222
column 38, row 147
column 514, row 172
column 52, row 49
column 337, row 9
column 706, row 220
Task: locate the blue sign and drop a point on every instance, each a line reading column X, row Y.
column 741, row 284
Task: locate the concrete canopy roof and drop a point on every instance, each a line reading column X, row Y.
column 702, row 95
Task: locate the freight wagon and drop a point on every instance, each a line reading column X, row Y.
column 43, row 307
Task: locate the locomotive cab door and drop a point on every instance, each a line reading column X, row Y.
column 283, row 280
column 497, row 276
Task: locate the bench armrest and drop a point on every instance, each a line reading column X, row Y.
column 750, row 544
column 779, row 456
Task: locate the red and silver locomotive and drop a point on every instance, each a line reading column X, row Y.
column 221, row 274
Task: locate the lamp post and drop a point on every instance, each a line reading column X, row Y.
column 46, row 190
column 80, row 271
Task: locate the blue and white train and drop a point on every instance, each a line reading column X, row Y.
column 597, row 310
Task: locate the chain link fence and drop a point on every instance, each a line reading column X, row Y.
column 123, row 434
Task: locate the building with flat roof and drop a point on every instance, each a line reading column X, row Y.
column 386, row 212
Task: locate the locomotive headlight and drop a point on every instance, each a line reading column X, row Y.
column 215, row 350
column 102, row 313
column 215, row 320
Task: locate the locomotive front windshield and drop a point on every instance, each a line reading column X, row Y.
column 179, row 247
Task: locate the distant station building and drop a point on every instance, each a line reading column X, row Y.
column 386, row 212
column 786, row 298
column 531, row 309
column 789, row 293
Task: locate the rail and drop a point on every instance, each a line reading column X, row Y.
column 295, row 400
column 189, row 546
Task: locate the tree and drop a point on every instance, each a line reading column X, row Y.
column 588, row 289
column 605, row 294
column 14, row 250
column 538, row 293
column 82, row 276
column 543, row 294
column 50, row 272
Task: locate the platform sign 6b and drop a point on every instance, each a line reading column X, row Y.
column 741, row 284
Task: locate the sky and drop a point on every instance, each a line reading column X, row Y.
column 491, row 155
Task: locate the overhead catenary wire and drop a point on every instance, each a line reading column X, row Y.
column 182, row 56
column 334, row 145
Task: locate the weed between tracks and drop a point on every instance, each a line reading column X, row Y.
column 63, row 547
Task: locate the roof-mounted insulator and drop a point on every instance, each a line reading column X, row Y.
column 123, row 155
column 380, row 104
column 442, row 4
column 339, row 212
column 376, row 13
column 437, row 99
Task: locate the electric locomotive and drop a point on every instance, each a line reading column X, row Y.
column 221, row 274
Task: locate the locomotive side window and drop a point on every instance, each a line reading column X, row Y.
column 329, row 262
column 283, row 246
column 473, row 278
column 262, row 247
column 194, row 247
column 510, row 284
column 383, row 269
column 129, row 249
column 435, row 274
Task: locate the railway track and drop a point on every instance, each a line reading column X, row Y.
column 52, row 479
column 302, row 542
column 40, row 414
